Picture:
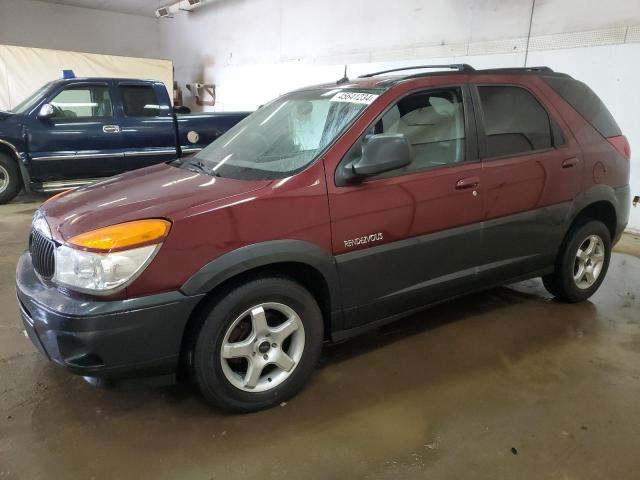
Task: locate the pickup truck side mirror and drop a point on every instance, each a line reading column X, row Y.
column 382, row 153
column 46, row 111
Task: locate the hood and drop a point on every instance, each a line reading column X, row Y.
column 160, row 191
column 4, row 114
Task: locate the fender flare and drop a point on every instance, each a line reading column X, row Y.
column 617, row 197
column 263, row 254
column 26, row 178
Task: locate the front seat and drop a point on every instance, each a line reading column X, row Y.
column 104, row 108
column 431, row 130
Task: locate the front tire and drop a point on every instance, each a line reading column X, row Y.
column 582, row 263
column 10, row 179
column 258, row 345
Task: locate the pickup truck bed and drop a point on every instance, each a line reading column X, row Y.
column 209, row 125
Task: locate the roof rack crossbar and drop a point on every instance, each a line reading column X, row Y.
column 461, row 67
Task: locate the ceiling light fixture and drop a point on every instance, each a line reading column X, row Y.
column 185, row 5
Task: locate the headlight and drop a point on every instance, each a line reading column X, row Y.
column 108, row 259
column 100, row 272
column 40, row 224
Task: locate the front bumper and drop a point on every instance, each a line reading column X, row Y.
column 108, row 339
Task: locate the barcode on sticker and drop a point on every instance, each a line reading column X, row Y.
column 354, row 97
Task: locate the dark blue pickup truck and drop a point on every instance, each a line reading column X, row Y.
column 73, row 131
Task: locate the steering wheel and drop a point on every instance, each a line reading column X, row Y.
column 57, row 111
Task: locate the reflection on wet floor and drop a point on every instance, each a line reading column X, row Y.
column 504, row 384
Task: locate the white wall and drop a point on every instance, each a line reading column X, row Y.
column 275, row 37
column 31, row 23
column 254, row 50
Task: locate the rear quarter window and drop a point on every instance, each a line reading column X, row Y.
column 139, row 101
column 586, row 103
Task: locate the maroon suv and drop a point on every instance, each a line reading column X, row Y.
column 331, row 210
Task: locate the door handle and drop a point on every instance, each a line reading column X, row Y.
column 570, row 162
column 464, row 183
column 111, row 129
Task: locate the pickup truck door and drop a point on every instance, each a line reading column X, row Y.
column 81, row 140
column 147, row 122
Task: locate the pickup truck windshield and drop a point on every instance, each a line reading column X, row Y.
column 282, row 137
column 29, row 102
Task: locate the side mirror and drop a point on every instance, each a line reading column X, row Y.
column 381, row 153
column 46, row 111
column 181, row 110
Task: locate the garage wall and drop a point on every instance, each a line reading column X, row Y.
column 254, row 50
column 281, row 39
column 30, row 23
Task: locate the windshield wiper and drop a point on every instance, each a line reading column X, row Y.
column 202, row 168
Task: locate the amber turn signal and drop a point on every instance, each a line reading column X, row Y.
column 123, row 235
column 59, row 194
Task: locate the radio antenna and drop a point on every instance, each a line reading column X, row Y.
column 344, row 79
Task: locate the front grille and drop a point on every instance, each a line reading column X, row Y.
column 42, row 255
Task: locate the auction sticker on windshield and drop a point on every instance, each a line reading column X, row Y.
column 354, row 97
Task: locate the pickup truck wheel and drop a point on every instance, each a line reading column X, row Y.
column 10, row 179
column 258, row 345
column 582, row 263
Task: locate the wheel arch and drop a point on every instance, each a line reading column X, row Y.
column 603, row 211
column 10, row 149
column 311, row 266
column 12, row 152
column 600, row 202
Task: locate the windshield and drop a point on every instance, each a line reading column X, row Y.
column 29, row 102
column 282, row 137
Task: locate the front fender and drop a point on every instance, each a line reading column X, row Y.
column 12, row 141
column 264, row 254
column 19, row 157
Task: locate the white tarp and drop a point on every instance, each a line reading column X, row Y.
column 23, row 70
column 4, row 87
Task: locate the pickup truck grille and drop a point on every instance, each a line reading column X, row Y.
column 42, row 255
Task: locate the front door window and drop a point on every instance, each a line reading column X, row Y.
column 83, row 102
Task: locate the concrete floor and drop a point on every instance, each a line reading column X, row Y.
column 504, row 384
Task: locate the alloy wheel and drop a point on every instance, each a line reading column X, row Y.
column 262, row 347
column 589, row 262
column 4, row 179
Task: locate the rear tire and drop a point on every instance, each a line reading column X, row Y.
column 10, row 179
column 582, row 263
column 257, row 345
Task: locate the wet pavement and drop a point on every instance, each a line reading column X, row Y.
column 504, row 384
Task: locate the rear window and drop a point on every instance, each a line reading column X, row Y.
column 139, row 101
column 586, row 103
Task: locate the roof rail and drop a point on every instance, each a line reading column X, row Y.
column 517, row 69
column 461, row 67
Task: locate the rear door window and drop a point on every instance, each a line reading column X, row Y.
column 514, row 121
column 139, row 101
